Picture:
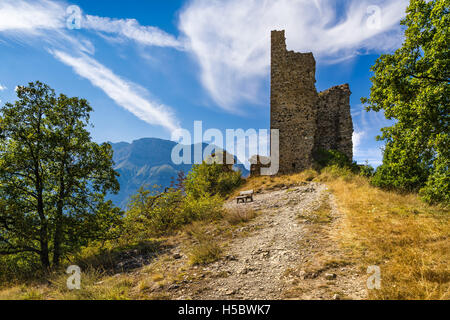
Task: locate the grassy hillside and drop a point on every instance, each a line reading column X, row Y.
column 406, row 238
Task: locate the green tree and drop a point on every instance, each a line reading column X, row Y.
column 411, row 86
column 153, row 213
column 53, row 178
column 211, row 179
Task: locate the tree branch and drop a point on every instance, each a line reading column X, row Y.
column 15, row 249
column 430, row 78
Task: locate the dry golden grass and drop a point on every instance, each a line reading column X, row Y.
column 205, row 252
column 322, row 214
column 406, row 238
column 94, row 286
column 239, row 215
column 272, row 183
column 206, row 249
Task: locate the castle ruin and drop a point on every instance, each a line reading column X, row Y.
column 307, row 121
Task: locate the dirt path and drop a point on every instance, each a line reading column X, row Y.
column 256, row 264
column 264, row 265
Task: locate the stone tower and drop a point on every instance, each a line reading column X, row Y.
column 307, row 120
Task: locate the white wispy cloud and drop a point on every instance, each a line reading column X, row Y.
column 31, row 16
column 374, row 156
column 124, row 93
column 231, row 38
column 131, row 29
column 41, row 22
column 367, row 127
column 2, row 88
column 22, row 17
column 361, row 153
column 357, row 138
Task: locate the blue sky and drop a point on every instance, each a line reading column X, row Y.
column 149, row 67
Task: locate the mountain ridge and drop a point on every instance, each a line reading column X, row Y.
column 146, row 163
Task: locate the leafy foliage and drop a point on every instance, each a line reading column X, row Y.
column 199, row 196
column 53, row 178
column 333, row 160
column 327, row 158
column 411, row 86
column 155, row 213
column 204, row 208
column 437, row 188
column 366, row 170
column 211, row 179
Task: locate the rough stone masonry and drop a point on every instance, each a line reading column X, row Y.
column 307, row 120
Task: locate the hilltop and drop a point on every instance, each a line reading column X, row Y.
column 307, row 236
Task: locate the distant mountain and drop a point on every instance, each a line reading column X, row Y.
column 146, row 162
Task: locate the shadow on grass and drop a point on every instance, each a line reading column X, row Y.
column 125, row 258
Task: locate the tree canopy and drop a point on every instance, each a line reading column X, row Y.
column 53, row 178
column 411, row 86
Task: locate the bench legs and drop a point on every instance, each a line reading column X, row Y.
column 245, row 200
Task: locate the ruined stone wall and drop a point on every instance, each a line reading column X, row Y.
column 306, row 120
column 293, row 99
column 258, row 163
column 334, row 123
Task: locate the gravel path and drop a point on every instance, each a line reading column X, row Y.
column 255, row 266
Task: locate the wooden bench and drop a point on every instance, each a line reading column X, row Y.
column 244, row 196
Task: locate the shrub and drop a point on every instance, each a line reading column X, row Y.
column 391, row 177
column 153, row 213
column 19, row 267
column 203, row 208
column 198, row 197
column 437, row 188
column 158, row 213
column 326, row 158
column 211, row 179
column 432, row 182
column 366, row 170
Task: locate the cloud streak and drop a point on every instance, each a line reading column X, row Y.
column 124, row 93
column 30, row 16
column 231, row 39
column 131, row 29
column 357, row 137
column 37, row 16
column 374, row 156
column 43, row 21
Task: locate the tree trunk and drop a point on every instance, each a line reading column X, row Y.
column 45, row 261
column 58, row 238
column 57, row 252
column 44, row 223
column 43, row 236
